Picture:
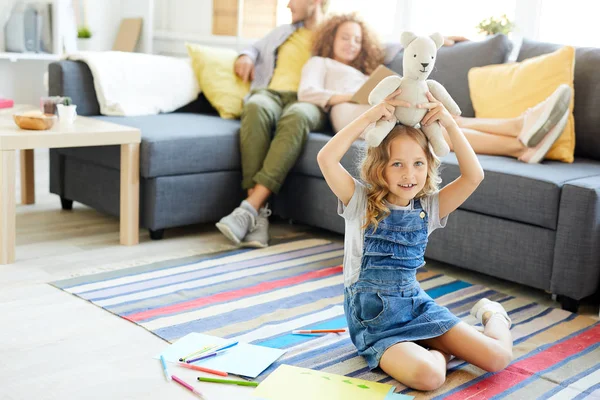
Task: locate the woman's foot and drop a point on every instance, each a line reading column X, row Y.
column 540, row 119
column 536, row 154
column 484, row 309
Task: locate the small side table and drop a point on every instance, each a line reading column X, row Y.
column 83, row 132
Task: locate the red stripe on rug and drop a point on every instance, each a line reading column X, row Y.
column 234, row 294
column 524, row 369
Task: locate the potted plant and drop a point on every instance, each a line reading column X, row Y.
column 491, row 26
column 66, row 111
column 84, row 36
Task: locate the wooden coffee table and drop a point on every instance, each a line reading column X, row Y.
column 83, row 132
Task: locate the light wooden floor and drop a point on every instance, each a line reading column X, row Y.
column 56, row 346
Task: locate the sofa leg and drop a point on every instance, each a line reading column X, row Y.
column 157, row 234
column 568, row 303
column 66, row 204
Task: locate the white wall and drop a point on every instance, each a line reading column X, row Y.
column 22, row 81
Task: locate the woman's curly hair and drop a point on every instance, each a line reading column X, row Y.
column 372, row 173
column 371, row 53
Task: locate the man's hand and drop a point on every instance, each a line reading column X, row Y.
column 244, row 68
column 451, row 40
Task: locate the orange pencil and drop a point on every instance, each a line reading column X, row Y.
column 305, row 331
column 203, row 369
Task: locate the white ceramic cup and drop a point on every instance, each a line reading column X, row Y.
column 66, row 114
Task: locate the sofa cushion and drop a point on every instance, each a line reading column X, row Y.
column 521, row 192
column 508, row 90
column 513, row 190
column 454, row 62
column 587, row 94
column 174, row 144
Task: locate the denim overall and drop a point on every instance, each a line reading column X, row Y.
column 386, row 305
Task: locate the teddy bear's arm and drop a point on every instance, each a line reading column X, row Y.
column 440, row 93
column 384, row 89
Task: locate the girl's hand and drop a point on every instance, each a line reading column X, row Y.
column 437, row 112
column 385, row 109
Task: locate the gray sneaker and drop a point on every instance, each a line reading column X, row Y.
column 236, row 225
column 259, row 236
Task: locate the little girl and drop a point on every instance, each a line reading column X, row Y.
column 389, row 217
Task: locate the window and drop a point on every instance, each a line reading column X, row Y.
column 382, row 22
column 459, row 17
column 558, row 23
column 390, row 17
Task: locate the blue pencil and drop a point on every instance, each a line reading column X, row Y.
column 164, row 367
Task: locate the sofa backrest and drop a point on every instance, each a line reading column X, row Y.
column 74, row 79
column 587, row 94
column 454, row 62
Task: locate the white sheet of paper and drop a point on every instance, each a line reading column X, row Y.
column 243, row 359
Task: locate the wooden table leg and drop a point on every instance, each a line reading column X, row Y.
column 7, row 206
column 130, row 193
column 27, row 177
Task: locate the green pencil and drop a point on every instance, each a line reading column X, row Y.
column 228, row 381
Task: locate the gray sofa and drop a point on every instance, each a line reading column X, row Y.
column 537, row 225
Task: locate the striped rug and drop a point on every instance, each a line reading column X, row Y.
column 261, row 295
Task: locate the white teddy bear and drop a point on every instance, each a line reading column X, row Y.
column 419, row 60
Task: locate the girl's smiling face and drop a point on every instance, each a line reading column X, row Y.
column 406, row 171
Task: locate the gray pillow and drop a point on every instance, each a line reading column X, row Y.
column 454, row 62
column 587, row 94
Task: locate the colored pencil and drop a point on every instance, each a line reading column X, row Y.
column 188, row 387
column 308, row 331
column 164, row 367
column 216, row 353
column 203, row 369
column 227, row 381
column 202, row 350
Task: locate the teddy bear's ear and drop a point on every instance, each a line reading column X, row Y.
column 438, row 39
column 406, row 38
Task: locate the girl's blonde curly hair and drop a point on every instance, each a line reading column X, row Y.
column 372, row 173
column 371, row 53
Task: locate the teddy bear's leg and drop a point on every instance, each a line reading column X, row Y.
column 376, row 133
column 436, row 139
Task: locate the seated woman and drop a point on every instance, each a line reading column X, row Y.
column 346, row 51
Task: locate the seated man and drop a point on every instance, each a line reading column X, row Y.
column 274, row 64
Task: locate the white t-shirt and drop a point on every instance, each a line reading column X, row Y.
column 354, row 215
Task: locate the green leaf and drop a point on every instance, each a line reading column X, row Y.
column 363, row 386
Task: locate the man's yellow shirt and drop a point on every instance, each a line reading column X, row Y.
column 291, row 57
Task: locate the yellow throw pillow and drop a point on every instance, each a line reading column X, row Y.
column 214, row 71
column 507, row 90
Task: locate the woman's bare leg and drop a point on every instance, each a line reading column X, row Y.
column 491, row 351
column 487, row 143
column 497, row 126
column 415, row 366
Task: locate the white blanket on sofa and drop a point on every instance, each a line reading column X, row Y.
column 130, row 84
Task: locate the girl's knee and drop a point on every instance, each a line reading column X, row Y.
column 427, row 376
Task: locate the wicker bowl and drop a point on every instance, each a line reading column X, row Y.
column 35, row 121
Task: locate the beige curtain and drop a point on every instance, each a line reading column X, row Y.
column 259, row 17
